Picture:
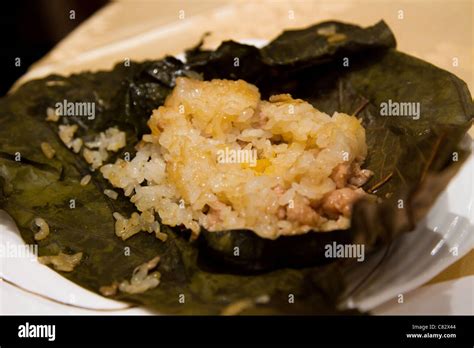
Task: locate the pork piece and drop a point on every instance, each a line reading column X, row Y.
column 360, row 176
column 345, row 173
column 213, row 216
column 340, row 201
column 301, row 211
column 340, row 175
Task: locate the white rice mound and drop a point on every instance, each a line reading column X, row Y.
column 306, row 175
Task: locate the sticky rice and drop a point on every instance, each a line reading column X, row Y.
column 220, row 158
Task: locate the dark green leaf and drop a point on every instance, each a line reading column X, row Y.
column 413, row 154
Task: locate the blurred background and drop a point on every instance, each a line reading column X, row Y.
column 31, row 28
column 439, row 31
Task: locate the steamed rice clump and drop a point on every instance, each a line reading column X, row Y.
column 221, row 158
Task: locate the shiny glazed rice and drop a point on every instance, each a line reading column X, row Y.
column 220, row 158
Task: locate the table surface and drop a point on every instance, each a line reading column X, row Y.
column 437, row 31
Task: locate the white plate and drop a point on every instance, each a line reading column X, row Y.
column 445, row 235
column 441, row 239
